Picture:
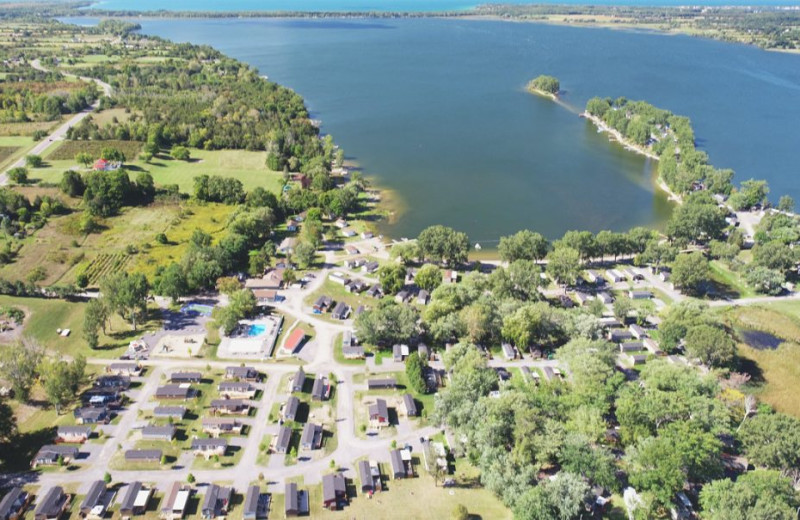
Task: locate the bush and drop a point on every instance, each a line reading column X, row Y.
column 33, row 161
column 18, row 175
column 180, row 153
column 460, row 512
column 38, row 135
column 161, row 238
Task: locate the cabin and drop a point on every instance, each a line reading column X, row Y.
column 170, row 412
column 135, row 500
column 605, row 297
column 360, row 310
column 216, row 501
column 289, row 409
column 370, row 267
column 175, row 500
column 583, row 298
column 52, row 454
column 609, row 322
column 354, row 263
column 631, row 346
column 251, row 501
column 113, row 382
column 402, row 296
column 14, row 504
column 381, row 384
column 398, row 465
column 297, row 382
column 102, row 398
column 637, row 359
column 423, row 297
column 549, row 373
column 143, row 456
column 52, row 504
column 216, row 426
column 356, row 286
column 370, row 476
column 341, row 311
column 410, row 405
column 450, row 276
column 291, row 505
column 322, row 304
column 159, row 433
column 633, row 274
column 508, row 351
column 615, row 276
column 366, row 235
column 378, row 414
column 350, row 250
column 173, row 392
column 637, row 331
column 179, row 378
column 79, row 434
column 399, row 352
column 334, row 490
column 423, row 352
column 652, row 346
column 320, row 390
column 207, row 448
column 236, row 389
column 94, row 504
column 124, row 369
column 230, row 406
column 353, row 352
column 375, row 291
column 339, row 278
column 282, row 440
column 311, row 438
column 594, row 277
column 248, row 374
column 619, row 335
column 640, row 295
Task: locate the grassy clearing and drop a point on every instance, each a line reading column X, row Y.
column 44, row 316
column 429, row 501
column 28, row 128
column 338, row 293
column 425, row 400
column 730, row 281
column 775, row 373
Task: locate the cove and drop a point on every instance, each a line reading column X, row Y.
column 435, row 110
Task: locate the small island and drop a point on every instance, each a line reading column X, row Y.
column 547, row 86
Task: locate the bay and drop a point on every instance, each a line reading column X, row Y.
column 434, row 110
column 378, row 5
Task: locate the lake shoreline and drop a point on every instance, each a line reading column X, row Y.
column 615, row 135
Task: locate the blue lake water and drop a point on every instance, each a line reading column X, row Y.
column 377, row 5
column 435, row 110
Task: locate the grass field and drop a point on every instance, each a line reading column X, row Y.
column 44, row 316
column 415, row 497
column 730, row 281
column 248, row 167
column 775, row 373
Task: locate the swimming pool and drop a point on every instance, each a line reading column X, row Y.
column 256, row 330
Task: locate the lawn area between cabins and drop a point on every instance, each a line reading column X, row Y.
column 337, row 292
column 425, row 400
column 775, row 373
column 415, row 497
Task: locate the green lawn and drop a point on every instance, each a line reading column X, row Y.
column 415, row 497
column 45, row 316
column 730, row 281
column 775, row 373
column 338, row 293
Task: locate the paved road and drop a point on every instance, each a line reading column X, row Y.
column 60, row 132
